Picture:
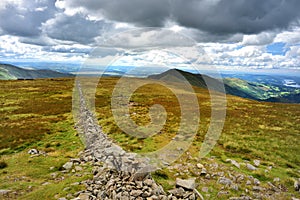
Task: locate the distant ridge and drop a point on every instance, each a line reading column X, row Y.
column 11, row 72
column 200, row 80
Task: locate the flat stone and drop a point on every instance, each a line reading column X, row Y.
column 235, row 163
column 224, row 181
column 186, row 183
column 250, row 167
column 84, row 196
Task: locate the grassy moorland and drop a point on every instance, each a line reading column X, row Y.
column 268, row 132
column 37, row 114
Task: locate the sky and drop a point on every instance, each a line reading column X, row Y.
column 236, row 34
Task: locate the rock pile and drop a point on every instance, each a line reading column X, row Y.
column 101, row 147
column 124, row 175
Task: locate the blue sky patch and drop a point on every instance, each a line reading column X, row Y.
column 277, row 48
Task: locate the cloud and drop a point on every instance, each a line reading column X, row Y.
column 149, row 37
column 223, row 17
column 22, row 18
column 77, row 28
column 263, row 38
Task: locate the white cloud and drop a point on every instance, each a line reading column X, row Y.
column 263, row 38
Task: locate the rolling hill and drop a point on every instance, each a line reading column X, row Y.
column 11, row 72
column 233, row 86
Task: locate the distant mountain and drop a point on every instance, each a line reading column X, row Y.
column 200, row 80
column 11, row 72
column 233, row 86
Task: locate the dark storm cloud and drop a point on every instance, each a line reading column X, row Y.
column 237, row 16
column 142, row 12
column 25, row 20
column 214, row 16
column 77, row 28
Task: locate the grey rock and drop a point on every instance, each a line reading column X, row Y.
column 136, row 193
column 84, row 196
column 200, row 166
column 186, row 183
column 33, row 152
column 235, row 187
column 224, row 181
column 256, row 163
column 78, row 168
column 276, row 179
column 68, row 165
column 178, row 192
column 256, row 181
column 250, row 167
column 257, row 188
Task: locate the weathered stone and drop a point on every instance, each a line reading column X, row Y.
column 68, row 165
column 235, row 163
column 33, row 152
column 224, row 181
column 186, row 183
column 84, row 196
column 257, row 188
column 256, row 181
column 178, row 192
column 200, row 166
column 250, row 167
column 234, row 187
column 136, row 193
column 78, row 168
column 256, row 163
column 276, row 179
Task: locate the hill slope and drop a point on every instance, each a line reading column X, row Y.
column 11, row 72
column 201, row 80
column 233, row 86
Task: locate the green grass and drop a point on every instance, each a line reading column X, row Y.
column 37, row 114
column 269, row 132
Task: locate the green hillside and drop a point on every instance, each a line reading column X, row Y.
column 234, row 86
column 11, row 72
